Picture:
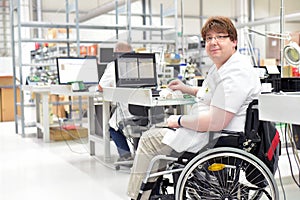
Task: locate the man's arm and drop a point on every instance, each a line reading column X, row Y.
column 215, row 119
column 108, row 77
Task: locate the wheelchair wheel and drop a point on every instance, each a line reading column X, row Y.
column 226, row 173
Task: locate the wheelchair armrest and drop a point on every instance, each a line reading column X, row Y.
column 232, row 133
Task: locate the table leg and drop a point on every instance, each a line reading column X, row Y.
column 106, row 134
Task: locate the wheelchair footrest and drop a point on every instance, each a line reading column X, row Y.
column 163, row 197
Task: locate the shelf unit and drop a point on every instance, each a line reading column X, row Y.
column 38, row 59
column 19, row 39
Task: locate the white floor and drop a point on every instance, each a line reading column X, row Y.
column 33, row 170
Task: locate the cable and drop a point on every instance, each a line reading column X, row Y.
column 71, row 135
column 67, row 142
column 281, row 184
column 294, row 148
column 289, row 159
column 295, row 153
column 122, row 119
column 109, row 166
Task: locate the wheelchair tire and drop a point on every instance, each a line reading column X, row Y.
column 226, row 173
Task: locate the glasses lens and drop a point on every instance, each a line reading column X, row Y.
column 208, row 39
column 217, row 38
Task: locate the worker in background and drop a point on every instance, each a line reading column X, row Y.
column 230, row 85
column 108, row 80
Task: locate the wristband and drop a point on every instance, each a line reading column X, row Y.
column 179, row 118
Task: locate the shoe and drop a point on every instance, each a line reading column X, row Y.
column 124, row 161
column 125, row 158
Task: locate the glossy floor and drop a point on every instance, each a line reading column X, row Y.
column 33, row 170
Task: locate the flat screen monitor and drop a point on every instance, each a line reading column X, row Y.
column 136, row 70
column 106, row 55
column 72, row 69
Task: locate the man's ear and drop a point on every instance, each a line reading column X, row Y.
column 235, row 44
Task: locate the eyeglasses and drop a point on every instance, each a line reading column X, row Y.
column 217, row 38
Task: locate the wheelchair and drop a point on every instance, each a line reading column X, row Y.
column 225, row 171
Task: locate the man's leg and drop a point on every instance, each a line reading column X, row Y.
column 121, row 142
column 150, row 145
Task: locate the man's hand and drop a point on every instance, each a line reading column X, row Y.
column 100, row 88
column 179, row 85
column 173, row 121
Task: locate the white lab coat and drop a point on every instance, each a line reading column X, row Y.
column 108, row 79
column 232, row 88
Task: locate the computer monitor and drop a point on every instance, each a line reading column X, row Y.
column 106, row 55
column 72, row 69
column 136, row 70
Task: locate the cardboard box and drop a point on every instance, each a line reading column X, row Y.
column 58, row 33
column 0, row 107
column 71, row 105
column 60, row 134
column 7, row 104
column 75, row 103
column 268, row 62
column 6, row 81
column 92, row 50
column 83, row 50
column 287, row 71
column 58, row 110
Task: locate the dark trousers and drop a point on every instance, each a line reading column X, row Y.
column 121, row 142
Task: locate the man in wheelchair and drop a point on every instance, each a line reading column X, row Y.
column 231, row 84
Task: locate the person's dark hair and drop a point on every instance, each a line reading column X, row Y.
column 219, row 24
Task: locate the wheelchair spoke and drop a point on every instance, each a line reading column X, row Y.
column 201, row 183
column 226, row 174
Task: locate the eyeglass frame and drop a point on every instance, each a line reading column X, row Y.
column 217, row 38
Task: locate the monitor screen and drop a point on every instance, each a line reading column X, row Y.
column 136, row 70
column 72, row 69
column 106, row 55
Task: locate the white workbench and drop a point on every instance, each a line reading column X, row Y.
column 135, row 96
column 42, row 94
column 282, row 107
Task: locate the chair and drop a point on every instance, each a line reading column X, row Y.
column 227, row 171
column 142, row 119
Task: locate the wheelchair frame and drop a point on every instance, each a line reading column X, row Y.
column 227, row 181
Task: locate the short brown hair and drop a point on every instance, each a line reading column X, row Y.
column 219, row 24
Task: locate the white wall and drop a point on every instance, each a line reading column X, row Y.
column 6, row 67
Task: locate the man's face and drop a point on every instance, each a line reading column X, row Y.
column 219, row 47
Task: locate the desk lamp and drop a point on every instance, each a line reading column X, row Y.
column 291, row 52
